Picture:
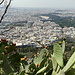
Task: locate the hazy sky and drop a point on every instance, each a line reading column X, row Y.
column 44, row 3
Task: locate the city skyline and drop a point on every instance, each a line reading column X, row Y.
column 44, row 3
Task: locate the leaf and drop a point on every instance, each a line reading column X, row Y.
column 6, row 67
column 44, row 51
column 4, row 43
column 73, row 66
column 58, row 68
column 49, row 69
column 54, row 73
column 41, row 70
column 15, row 61
column 58, row 54
column 32, row 66
column 11, row 48
column 70, row 62
column 61, row 73
column 63, row 46
column 1, row 56
column 13, row 73
column 27, row 68
column 24, row 62
column 54, row 62
column 70, row 72
column 29, row 73
column 21, row 67
column 15, row 57
column 37, row 60
column 43, row 62
column 3, row 48
column 22, row 73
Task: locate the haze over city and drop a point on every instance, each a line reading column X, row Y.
column 70, row 4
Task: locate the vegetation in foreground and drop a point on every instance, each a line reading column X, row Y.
column 43, row 63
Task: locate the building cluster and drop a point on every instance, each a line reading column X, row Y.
column 40, row 33
column 35, row 32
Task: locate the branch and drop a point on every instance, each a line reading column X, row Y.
column 1, row 2
column 7, row 30
column 5, row 11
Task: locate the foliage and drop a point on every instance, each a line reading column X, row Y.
column 9, row 57
column 62, row 21
column 43, row 63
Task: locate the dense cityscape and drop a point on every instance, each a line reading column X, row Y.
column 37, row 37
column 29, row 27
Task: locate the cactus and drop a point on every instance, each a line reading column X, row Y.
column 43, row 63
column 41, row 70
column 40, row 57
column 58, row 54
column 63, row 46
column 6, row 67
column 70, row 63
column 9, row 59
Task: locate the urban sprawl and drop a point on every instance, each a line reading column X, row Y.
column 23, row 27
